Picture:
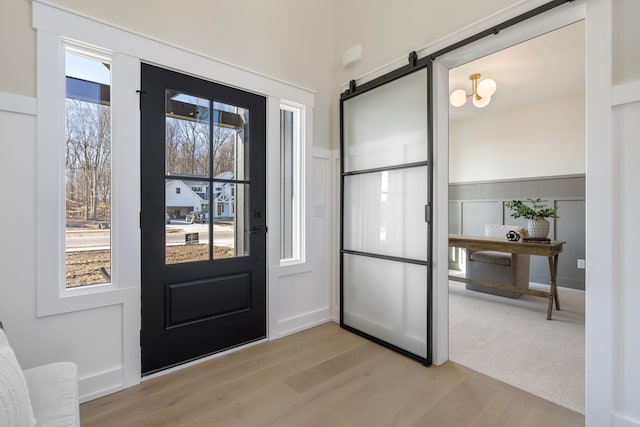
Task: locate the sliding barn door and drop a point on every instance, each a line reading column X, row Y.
column 386, row 194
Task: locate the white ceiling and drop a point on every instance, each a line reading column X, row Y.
column 544, row 67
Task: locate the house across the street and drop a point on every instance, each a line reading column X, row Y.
column 188, row 199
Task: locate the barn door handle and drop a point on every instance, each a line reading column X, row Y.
column 428, row 213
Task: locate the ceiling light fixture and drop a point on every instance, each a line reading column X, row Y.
column 481, row 92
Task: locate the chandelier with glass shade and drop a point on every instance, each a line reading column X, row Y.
column 481, row 92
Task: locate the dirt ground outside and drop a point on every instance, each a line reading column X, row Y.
column 85, row 267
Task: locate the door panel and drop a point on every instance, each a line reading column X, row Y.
column 203, row 218
column 386, row 201
column 387, row 126
column 386, row 300
column 384, row 213
column 205, row 299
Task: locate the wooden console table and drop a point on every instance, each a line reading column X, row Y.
column 550, row 250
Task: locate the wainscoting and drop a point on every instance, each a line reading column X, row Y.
column 472, row 205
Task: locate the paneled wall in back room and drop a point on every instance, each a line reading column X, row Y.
column 472, row 205
column 524, row 145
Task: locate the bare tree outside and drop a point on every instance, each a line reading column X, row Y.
column 88, row 160
column 88, row 168
column 193, row 148
column 88, row 191
column 187, row 148
column 224, row 150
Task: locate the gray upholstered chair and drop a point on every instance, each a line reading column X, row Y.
column 499, row 267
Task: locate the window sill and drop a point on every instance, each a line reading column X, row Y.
column 288, row 268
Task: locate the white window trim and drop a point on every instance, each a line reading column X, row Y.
column 299, row 188
column 531, row 28
column 127, row 49
column 52, row 295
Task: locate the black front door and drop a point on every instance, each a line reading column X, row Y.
column 203, row 218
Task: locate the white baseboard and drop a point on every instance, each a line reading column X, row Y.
column 100, row 384
column 301, row 322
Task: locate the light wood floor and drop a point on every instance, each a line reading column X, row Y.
column 324, row 376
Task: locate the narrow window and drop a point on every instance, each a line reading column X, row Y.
column 290, row 183
column 88, row 168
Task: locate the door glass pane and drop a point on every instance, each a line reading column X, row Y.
column 291, row 183
column 230, row 143
column 88, row 169
column 384, row 213
column 385, row 135
column 230, row 210
column 186, row 221
column 387, row 126
column 388, row 300
column 287, row 182
column 187, row 134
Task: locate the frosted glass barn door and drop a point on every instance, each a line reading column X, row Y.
column 385, row 242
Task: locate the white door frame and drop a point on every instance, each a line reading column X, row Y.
column 599, row 323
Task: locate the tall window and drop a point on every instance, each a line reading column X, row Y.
column 88, row 167
column 291, row 222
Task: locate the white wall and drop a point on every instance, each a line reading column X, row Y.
column 388, row 31
column 627, row 339
column 285, row 39
column 300, row 295
column 545, row 138
column 626, row 123
column 17, row 49
column 626, row 61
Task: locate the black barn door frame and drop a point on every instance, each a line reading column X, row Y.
column 416, row 64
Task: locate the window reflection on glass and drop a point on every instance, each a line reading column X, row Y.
column 187, row 134
column 88, row 168
column 229, row 142
column 384, row 205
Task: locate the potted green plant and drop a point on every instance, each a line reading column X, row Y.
column 535, row 212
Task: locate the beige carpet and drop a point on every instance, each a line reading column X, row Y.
column 511, row 340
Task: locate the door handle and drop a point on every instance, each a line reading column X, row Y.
column 428, row 213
